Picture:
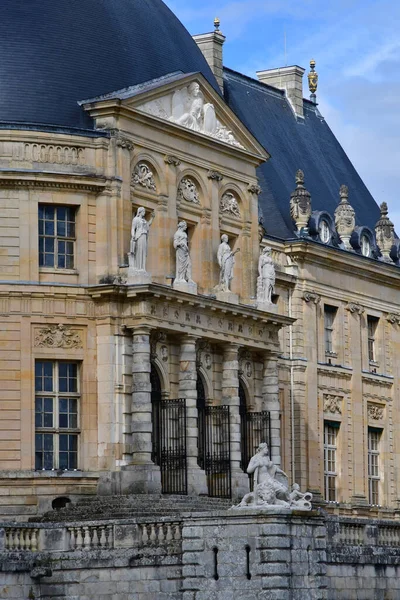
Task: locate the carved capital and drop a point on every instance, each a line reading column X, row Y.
column 124, row 143
column 170, row 159
column 312, row 297
column 215, row 175
column 393, row 318
column 58, row 336
column 355, row 308
column 254, row 189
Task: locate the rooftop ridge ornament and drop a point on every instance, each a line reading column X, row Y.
column 384, row 231
column 300, row 204
column 345, row 219
column 217, row 24
column 313, row 82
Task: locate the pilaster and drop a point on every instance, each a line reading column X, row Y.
column 270, row 399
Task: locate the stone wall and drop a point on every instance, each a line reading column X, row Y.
column 203, row 556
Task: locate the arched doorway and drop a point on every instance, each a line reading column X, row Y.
column 243, row 426
column 201, row 409
column 156, row 398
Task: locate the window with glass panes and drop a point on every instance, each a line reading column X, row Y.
column 56, row 415
column 372, row 323
column 330, row 461
column 329, row 319
column 374, row 436
column 56, row 236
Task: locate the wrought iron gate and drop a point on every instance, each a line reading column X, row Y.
column 255, row 428
column 169, row 444
column 214, row 425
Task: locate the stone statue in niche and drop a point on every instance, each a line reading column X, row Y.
column 226, row 261
column 266, row 279
column 271, row 487
column 183, row 278
column 229, row 205
column 187, row 190
column 138, row 250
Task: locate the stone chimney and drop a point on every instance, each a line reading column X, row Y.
column 211, row 46
column 289, row 79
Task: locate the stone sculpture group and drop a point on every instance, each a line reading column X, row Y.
column 271, row 487
column 183, row 275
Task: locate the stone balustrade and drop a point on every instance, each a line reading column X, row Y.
column 360, row 532
column 21, row 538
column 84, row 537
column 159, row 533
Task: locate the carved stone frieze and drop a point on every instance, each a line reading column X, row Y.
column 170, row 159
column 188, row 108
column 215, row 175
column 353, row 307
column 229, row 205
column 333, row 404
column 313, row 297
column 144, row 176
column 187, row 190
column 58, row 336
column 375, row 412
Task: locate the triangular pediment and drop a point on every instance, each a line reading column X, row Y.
column 188, row 102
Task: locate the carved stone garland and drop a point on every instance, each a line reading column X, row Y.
column 229, row 205
column 144, row 176
column 58, row 336
column 187, row 190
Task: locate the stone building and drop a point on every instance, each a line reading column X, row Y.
column 151, row 351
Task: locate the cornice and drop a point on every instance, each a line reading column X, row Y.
column 343, row 261
column 52, row 180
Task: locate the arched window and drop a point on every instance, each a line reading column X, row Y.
column 201, row 407
column 155, row 403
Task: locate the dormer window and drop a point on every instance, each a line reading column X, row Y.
column 324, row 232
column 365, row 246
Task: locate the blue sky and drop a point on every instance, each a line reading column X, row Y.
column 356, row 44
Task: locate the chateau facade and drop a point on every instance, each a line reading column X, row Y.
column 118, row 380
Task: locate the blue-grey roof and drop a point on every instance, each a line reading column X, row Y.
column 54, row 53
column 307, row 144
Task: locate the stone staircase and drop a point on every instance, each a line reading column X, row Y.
column 134, row 506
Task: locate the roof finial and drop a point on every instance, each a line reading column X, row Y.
column 313, row 81
column 217, row 23
column 345, row 217
column 300, row 205
column 384, row 231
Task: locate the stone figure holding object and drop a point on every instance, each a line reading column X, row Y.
column 226, row 261
column 183, row 261
column 190, row 110
column 266, row 277
column 271, row 487
column 139, row 240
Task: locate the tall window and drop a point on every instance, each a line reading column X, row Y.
column 329, row 320
column 373, row 465
column 56, row 236
column 56, row 415
column 372, row 323
column 330, row 461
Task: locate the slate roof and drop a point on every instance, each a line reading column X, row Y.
column 309, row 145
column 54, row 53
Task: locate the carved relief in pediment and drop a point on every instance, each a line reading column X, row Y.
column 187, row 107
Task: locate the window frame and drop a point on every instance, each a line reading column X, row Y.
column 372, row 329
column 55, row 430
column 374, row 480
column 330, row 329
column 57, row 238
column 331, row 476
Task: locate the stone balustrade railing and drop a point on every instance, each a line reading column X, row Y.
column 89, row 535
column 361, row 532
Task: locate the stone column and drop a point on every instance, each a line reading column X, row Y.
column 230, row 396
column 141, row 476
column 197, row 481
column 270, row 396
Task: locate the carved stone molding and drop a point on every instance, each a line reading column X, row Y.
column 311, row 297
column 375, row 412
column 124, row 143
column 170, row 159
column 158, row 337
column 204, row 355
column 215, row 175
column 58, row 336
column 355, row 308
column 333, row 404
column 144, row 176
column 254, row 189
column 393, row 318
column 187, row 190
column 229, row 205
